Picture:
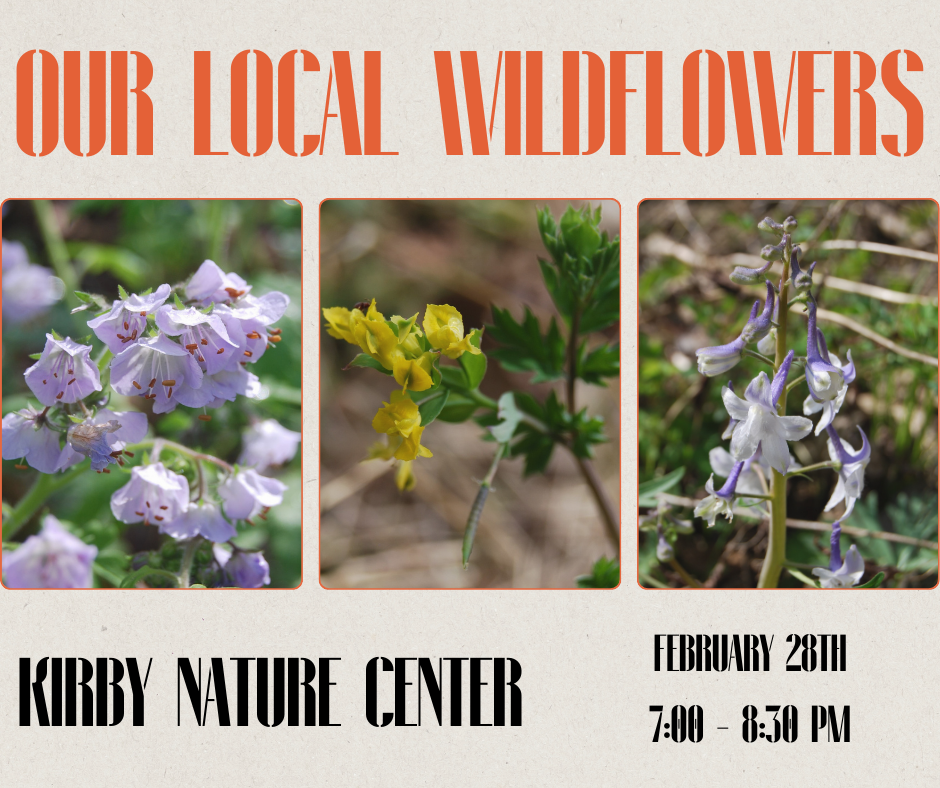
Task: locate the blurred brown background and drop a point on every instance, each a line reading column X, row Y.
column 540, row 532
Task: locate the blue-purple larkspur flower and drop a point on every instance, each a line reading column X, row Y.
column 126, row 322
column 830, row 407
column 759, row 425
column 849, row 574
column 824, row 378
column 852, row 471
column 719, row 502
column 717, row 360
column 64, row 372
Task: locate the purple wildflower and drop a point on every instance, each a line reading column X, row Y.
column 241, row 569
column 28, row 290
column 53, row 558
column 132, row 427
column 203, row 336
column 247, row 493
column 267, row 443
column 126, row 323
column 161, row 370
column 154, row 495
column 200, row 519
column 26, row 435
column 64, row 372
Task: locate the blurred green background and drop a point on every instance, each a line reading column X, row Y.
column 140, row 244
column 537, row 532
column 687, row 301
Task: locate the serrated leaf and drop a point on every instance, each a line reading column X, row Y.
column 648, row 490
column 431, row 408
column 604, row 574
column 602, row 362
column 474, row 366
column 525, row 348
column 365, row 360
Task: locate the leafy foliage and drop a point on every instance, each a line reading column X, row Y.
column 604, row 574
column 525, row 348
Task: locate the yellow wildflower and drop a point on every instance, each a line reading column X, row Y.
column 414, row 373
column 338, row 322
column 444, row 328
column 401, row 421
column 374, row 337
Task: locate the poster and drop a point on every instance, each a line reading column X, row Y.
column 375, row 187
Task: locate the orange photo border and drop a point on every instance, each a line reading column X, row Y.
column 637, row 337
column 302, row 442
column 320, row 398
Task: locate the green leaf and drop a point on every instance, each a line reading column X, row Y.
column 875, row 582
column 474, row 366
column 85, row 298
column 537, row 449
column 648, row 490
column 431, row 408
column 455, row 378
column 178, row 301
column 604, row 574
column 804, row 579
column 525, row 348
column 602, row 362
column 509, row 418
column 121, row 292
column 35, row 356
column 458, row 409
column 365, row 360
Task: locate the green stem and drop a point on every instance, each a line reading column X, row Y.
column 795, row 382
column 479, row 398
column 819, row 466
column 689, row 580
column 476, row 511
column 159, row 444
column 758, row 356
column 777, row 543
column 56, row 248
column 186, row 564
column 46, row 484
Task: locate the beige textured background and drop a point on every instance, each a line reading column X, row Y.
column 586, row 656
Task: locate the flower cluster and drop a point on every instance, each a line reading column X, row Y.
column 190, row 345
column 194, row 354
column 759, row 430
column 400, row 348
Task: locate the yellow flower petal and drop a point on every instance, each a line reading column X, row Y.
column 338, row 322
column 405, row 477
column 444, row 328
column 398, row 417
column 414, row 373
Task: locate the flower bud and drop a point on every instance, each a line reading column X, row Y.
column 768, row 225
column 789, row 224
column 664, row 551
column 750, row 276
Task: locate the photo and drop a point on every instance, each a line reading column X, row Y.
column 787, row 390
column 152, row 394
column 470, row 394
